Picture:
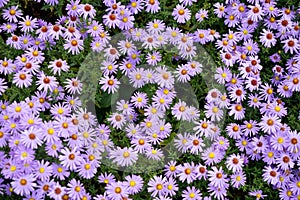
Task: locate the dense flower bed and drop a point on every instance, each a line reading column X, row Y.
column 149, row 99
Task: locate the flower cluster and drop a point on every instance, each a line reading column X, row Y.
column 50, row 144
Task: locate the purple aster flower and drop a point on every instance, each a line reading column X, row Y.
column 31, row 138
column 3, row 86
column 191, row 193
column 124, row 157
column 235, row 163
column 106, row 178
column 293, row 144
column 238, row 179
column 59, row 171
column 255, row 13
column 28, row 24
column 12, row 13
column 137, row 77
column 136, row 6
column 117, row 190
column 285, row 161
column 152, row 6
column 153, row 58
column 218, row 178
column 87, row 11
column 187, row 172
column 270, row 124
column 267, row 38
column 70, row 159
column 201, row 15
column 217, row 192
column 213, row 111
column 182, row 142
column 257, row 194
column 24, row 184
column 57, row 191
column 139, row 99
column 74, row 46
column 212, row 156
column 157, row 186
column 110, row 84
column 134, row 183
column 219, row 9
column 231, row 20
column 181, row 14
column 73, row 85
column 223, row 75
column 126, row 20
column 171, row 169
column 292, row 45
column 75, row 189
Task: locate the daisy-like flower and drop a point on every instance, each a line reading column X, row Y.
column 74, row 46
column 237, row 111
column 109, row 83
column 235, row 163
column 267, row 38
column 293, row 144
column 70, row 159
column 157, row 186
column 214, row 112
column 212, row 156
column 139, row 99
column 270, row 123
column 124, row 157
column 12, row 13
column 24, row 184
column 182, row 142
column 28, row 24
column 75, row 189
column 163, row 77
column 219, row 9
column 134, row 183
column 152, row 6
column 46, row 82
column 191, row 193
column 285, row 161
column 44, row 170
column 22, row 79
column 196, row 145
column 228, row 59
column 73, row 85
column 218, row 178
column 223, row 75
column 255, row 13
column 57, row 191
column 292, row 45
column 87, row 11
column 271, row 175
column 238, row 179
column 117, row 190
column 181, row 14
column 201, row 15
column 57, row 66
column 187, row 172
column 179, row 110
column 31, row 138
column 111, row 20
column 257, row 194
column 117, row 120
column 136, row 6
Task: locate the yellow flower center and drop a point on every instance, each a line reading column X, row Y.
column 27, row 23
column 211, row 155
column 42, row 170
